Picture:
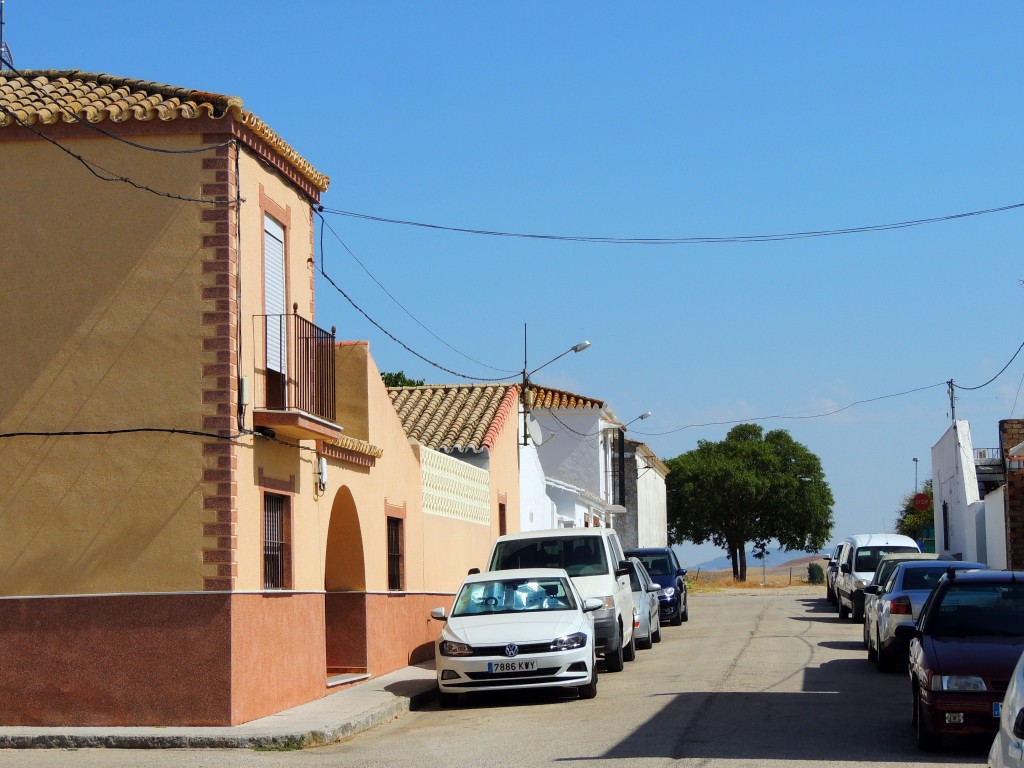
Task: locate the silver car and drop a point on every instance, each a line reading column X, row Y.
column 882, row 573
column 646, row 613
column 899, row 601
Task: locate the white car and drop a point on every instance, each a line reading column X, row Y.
column 1008, row 746
column 513, row 629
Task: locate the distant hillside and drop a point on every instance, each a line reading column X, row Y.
column 774, row 560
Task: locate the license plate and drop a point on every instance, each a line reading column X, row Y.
column 997, row 709
column 511, row 666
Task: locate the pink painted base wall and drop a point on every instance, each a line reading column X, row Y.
column 381, row 632
column 211, row 659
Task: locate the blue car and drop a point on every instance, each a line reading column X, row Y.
column 663, row 566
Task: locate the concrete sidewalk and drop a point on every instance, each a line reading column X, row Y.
column 332, row 718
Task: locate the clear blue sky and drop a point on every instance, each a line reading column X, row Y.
column 658, row 120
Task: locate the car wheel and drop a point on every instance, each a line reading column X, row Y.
column 865, row 635
column 656, row 634
column 882, row 658
column 927, row 739
column 872, row 651
column 677, row 617
column 684, row 611
column 629, row 652
column 589, row 690
column 447, row 699
column 844, row 612
column 644, row 643
column 830, row 595
column 613, row 661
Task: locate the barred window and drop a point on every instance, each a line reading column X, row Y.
column 276, row 542
column 396, row 552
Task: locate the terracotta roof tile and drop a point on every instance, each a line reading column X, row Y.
column 455, row 417
column 96, row 98
column 545, row 397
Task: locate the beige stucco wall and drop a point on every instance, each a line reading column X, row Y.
column 101, row 332
column 265, row 192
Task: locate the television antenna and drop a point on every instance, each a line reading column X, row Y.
column 6, row 57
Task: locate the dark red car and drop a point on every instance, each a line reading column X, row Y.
column 963, row 649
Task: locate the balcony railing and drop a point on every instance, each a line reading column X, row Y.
column 298, row 372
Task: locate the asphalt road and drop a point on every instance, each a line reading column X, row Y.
column 765, row 678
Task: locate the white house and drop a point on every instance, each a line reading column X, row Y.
column 969, row 498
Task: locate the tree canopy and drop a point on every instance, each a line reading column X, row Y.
column 750, row 487
column 912, row 522
column 399, row 379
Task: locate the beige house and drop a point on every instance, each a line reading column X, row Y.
column 210, row 510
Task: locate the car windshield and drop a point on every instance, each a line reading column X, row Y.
column 979, row 609
column 579, row 556
column 884, row 571
column 513, row 596
column 656, row 565
column 867, row 558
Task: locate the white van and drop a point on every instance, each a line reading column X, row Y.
column 858, row 558
column 594, row 559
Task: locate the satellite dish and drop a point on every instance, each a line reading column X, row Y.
column 534, row 429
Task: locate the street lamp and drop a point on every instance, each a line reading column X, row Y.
column 915, row 474
column 526, row 394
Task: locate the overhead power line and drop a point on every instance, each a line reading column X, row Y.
column 325, row 225
column 687, row 240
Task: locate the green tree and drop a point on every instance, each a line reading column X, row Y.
column 911, row 522
column 399, row 379
column 750, row 487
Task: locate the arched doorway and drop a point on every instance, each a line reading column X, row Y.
column 345, row 590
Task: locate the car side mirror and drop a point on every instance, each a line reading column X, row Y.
column 623, row 569
column 682, row 571
column 907, row 632
column 652, row 587
column 871, row 589
column 439, row 613
column 472, row 571
column 845, row 568
column 592, row 604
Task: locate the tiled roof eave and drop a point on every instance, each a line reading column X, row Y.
column 114, row 103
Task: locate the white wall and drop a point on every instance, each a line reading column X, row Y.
column 571, row 452
column 995, row 528
column 651, row 505
column 955, row 483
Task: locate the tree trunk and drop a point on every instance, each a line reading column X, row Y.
column 743, row 563
column 734, row 561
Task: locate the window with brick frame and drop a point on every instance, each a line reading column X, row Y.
column 396, row 554
column 277, row 555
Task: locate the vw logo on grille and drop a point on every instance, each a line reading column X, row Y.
column 511, row 650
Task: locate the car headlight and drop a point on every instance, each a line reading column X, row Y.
column 667, row 592
column 569, row 642
column 958, row 683
column 454, row 648
column 609, row 602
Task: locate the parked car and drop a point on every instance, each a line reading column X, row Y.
column 1007, row 749
column 646, row 610
column 526, row 628
column 882, row 573
column 663, row 566
column 963, row 649
column 899, row 601
column 831, row 569
column 858, row 559
column 594, row 559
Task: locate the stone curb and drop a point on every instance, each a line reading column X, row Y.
column 363, row 721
